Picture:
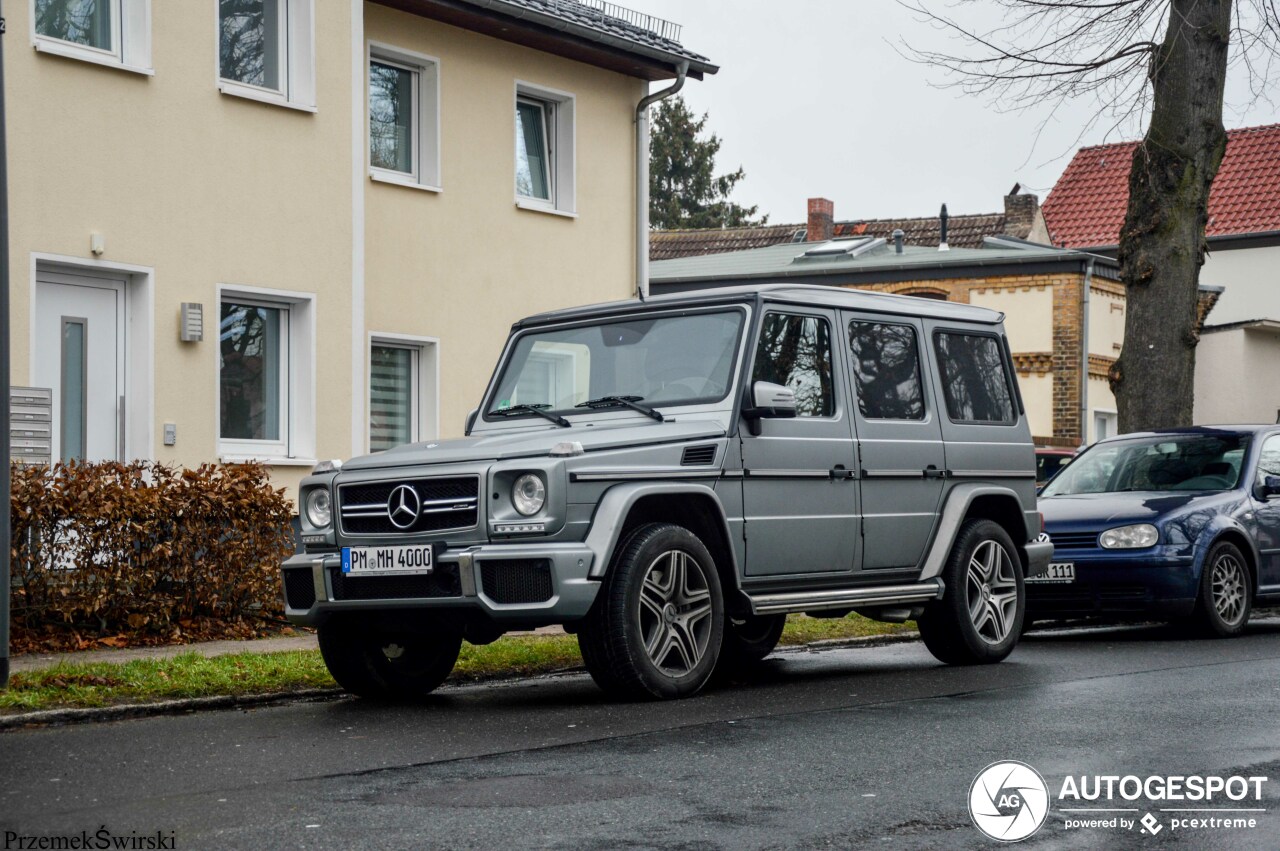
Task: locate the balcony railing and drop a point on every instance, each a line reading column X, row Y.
column 658, row 26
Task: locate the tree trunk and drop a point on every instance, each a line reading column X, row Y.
column 1162, row 244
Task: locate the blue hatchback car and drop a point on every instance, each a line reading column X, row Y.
column 1182, row 525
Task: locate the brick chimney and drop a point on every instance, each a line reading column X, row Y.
column 1020, row 214
column 822, row 224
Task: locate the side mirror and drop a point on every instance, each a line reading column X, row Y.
column 1270, row 487
column 471, row 421
column 768, row 401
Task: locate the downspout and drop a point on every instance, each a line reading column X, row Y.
column 642, row 178
column 1084, row 353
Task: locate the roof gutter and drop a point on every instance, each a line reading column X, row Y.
column 642, row 177
column 1084, row 354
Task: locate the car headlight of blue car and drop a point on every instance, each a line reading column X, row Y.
column 1132, row 537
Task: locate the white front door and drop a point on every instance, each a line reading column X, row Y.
column 79, row 352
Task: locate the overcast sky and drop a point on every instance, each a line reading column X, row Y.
column 813, row 100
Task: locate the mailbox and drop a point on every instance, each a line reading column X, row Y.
column 31, row 424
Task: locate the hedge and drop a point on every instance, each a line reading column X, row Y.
column 144, row 548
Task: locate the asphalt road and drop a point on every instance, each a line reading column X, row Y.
column 839, row 748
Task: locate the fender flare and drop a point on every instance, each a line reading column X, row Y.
column 959, row 498
column 1212, row 533
column 616, row 504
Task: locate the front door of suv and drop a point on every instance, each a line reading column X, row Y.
column 899, row 438
column 800, row 497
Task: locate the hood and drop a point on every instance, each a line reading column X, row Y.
column 1101, row 510
column 537, row 442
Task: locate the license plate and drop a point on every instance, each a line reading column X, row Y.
column 1061, row 572
column 386, row 561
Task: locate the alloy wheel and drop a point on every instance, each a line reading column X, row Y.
column 1227, row 583
column 992, row 592
column 675, row 613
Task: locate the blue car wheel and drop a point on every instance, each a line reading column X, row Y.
column 1222, row 608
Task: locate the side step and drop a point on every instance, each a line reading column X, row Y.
column 845, row 598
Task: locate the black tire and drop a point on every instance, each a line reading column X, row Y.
column 1226, row 593
column 748, row 641
column 970, row 625
column 638, row 643
column 385, row 665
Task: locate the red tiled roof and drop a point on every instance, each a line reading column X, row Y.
column 1087, row 205
column 962, row 232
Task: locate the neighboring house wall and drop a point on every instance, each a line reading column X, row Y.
column 1251, row 278
column 462, row 264
column 1226, row 393
column 198, row 194
column 191, row 189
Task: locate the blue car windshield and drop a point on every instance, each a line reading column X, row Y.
column 1188, row 462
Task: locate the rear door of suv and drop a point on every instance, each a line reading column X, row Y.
column 899, row 435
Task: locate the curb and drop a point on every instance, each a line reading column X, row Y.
column 88, row 715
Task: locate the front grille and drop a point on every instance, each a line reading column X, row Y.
column 1074, row 540
column 1076, row 598
column 442, row 582
column 695, row 456
column 445, row 503
column 299, row 588
column 516, row 580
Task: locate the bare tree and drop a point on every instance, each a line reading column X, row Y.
column 1168, row 59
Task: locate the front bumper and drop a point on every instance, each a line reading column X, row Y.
column 1162, row 581
column 519, row 585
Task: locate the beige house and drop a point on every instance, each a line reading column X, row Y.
column 294, row 230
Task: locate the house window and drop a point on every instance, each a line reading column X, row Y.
column 404, row 136
column 265, row 376
column 109, row 32
column 393, row 396
column 544, row 149
column 266, row 50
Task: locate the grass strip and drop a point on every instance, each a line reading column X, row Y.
column 192, row 675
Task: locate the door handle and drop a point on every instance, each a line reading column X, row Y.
column 932, row 472
column 839, row 472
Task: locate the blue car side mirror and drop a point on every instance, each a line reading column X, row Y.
column 1270, row 487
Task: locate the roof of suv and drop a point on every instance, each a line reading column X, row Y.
column 814, row 296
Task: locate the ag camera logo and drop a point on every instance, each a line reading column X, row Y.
column 1008, row 801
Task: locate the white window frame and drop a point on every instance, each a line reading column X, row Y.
column 296, row 445
column 425, row 405
column 130, row 39
column 297, row 65
column 561, row 142
column 425, row 172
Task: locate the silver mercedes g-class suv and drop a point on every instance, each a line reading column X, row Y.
column 668, row 479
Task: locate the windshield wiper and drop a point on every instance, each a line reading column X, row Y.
column 517, row 410
column 631, row 402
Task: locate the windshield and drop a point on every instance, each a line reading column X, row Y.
column 1160, row 463
column 669, row 360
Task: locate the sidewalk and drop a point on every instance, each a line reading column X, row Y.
column 302, row 641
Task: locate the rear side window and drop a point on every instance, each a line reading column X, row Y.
column 795, row 351
column 886, row 368
column 974, row 379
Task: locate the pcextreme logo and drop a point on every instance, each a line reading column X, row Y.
column 1008, row 801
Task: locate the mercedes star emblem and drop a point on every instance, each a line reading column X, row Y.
column 403, row 506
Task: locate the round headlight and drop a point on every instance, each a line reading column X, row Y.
column 1130, row 537
column 529, row 494
column 319, row 508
